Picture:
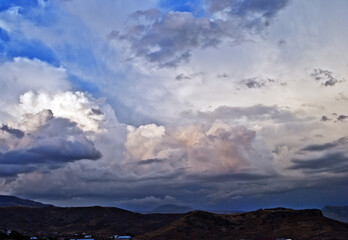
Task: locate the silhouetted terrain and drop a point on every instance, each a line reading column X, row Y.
column 12, row 201
column 102, row 221
column 260, row 224
column 337, row 213
column 105, row 221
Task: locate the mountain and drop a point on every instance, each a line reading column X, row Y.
column 106, row 221
column 337, row 213
column 224, row 211
column 170, row 208
column 12, row 201
column 100, row 221
column 260, row 224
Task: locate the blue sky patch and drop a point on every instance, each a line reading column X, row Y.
column 11, row 47
column 24, row 4
column 193, row 6
column 4, row 37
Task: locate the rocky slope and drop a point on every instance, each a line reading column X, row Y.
column 102, row 221
column 260, row 224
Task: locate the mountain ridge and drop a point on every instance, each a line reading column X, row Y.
column 13, row 201
column 307, row 224
column 171, row 208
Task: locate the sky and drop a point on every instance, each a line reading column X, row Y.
column 211, row 104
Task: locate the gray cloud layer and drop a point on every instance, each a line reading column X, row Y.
column 52, row 151
column 326, row 146
column 167, row 39
column 333, row 162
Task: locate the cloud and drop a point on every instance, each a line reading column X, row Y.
column 12, row 170
column 79, row 107
column 234, row 177
column 253, row 83
column 260, row 82
column 258, row 8
column 326, row 77
column 22, row 75
column 342, row 97
column 220, row 147
column 196, row 148
column 328, row 162
column 326, row 146
column 256, row 112
column 52, row 151
column 325, row 119
column 150, row 161
column 342, row 118
column 48, row 142
column 142, row 142
column 14, row 132
column 51, row 138
column 167, row 39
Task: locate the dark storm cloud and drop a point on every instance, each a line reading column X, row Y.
column 325, row 77
column 96, row 111
column 326, row 146
column 52, row 150
column 253, row 83
column 324, row 119
column 329, row 162
column 168, row 39
column 8, row 170
column 342, row 117
column 150, row 161
column 182, row 77
column 14, row 132
column 231, row 177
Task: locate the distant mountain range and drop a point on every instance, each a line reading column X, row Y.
column 337, row 213
column 170, row 208
column 12, row 201
column 33, row 218
column 106, row 221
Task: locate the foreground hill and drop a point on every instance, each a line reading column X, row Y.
column 260, row 224
column 102, row 221
column 12, row 201
column 337, row 213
